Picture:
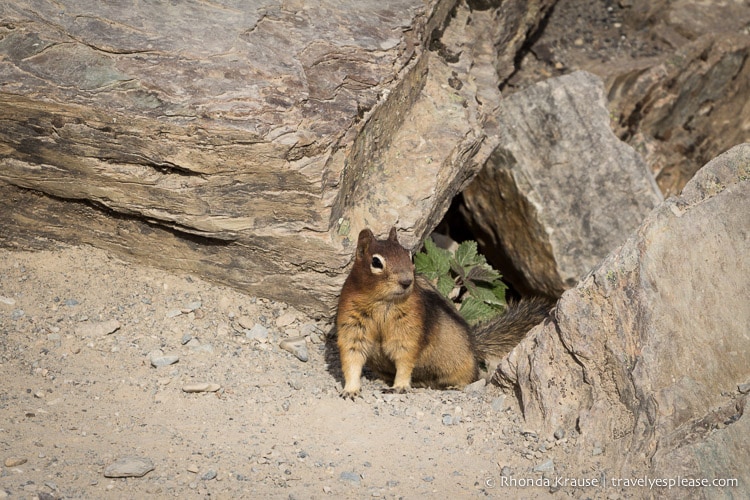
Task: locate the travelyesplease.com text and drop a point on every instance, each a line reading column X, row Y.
column 602, row 481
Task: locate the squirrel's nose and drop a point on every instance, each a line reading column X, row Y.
column 405, row 281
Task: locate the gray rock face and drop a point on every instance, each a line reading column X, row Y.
column 245, row 142
column 646, row 354
column 560, row 191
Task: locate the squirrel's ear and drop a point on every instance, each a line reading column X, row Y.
column 363, row 241
column 392, row 235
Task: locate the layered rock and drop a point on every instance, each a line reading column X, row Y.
column 692, row 104
column 245, row 143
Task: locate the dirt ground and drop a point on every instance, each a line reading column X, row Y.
column 78, row 395
column 76, row 398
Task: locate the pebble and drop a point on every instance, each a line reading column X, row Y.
column 351, row 477
column 15, row 461
column 292, row 332
column 296, row 346
column 310, row 330
column 71, row 302
column 198, row 347
column 744, row 388
column 98, row 329
column 257, row 332
column 186, row 338
column 546, row 466
column 476, row 387
column 8, row 301
column 129, row 467
column 506, row 471
column 159, row 359
column 246, row 322
column 559, row 433
column 530, row 435
column 192, row 306
column 174, row 313
column 201, row 387
column 286, row 319
column 498, row 403
column 17, row 314
column 209, row 475
column 451, row 419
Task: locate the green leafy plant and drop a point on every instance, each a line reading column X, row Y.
column 465, row 278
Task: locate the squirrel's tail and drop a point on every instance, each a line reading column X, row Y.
column 498, row 336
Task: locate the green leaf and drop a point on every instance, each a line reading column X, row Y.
column 474, row 310
column 458, row 270
column 445, row 285
column 433, row 262
column 471, row 287
column 486, row 295
column 467, row 256
column 483, row 273
column 499, row 290
column 465, row 269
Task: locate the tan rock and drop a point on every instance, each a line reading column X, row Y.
column 255, row 169
column 645, row 355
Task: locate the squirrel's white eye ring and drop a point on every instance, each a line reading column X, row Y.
column 377, row 265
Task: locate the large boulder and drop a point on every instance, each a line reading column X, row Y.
column 245, row 142
column 560, row 191
column 649, row 356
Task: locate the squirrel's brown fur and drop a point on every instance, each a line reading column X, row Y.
column 404, row 330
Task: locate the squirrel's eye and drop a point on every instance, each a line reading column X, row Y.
column 377, row 262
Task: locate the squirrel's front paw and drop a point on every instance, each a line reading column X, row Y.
column 396, row 390
column 351, row 395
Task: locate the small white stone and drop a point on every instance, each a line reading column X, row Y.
column 129, row 467
column 98, row 329
column 8, row 301
column 286, row 319
column 246, row 322
column 15, row 461
column 201, row 387
column 296, row 346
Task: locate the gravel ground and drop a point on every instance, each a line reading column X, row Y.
column 80, row 333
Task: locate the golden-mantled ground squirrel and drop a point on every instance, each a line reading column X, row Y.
column 400, row 326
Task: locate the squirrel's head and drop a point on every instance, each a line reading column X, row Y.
column 384, row 267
